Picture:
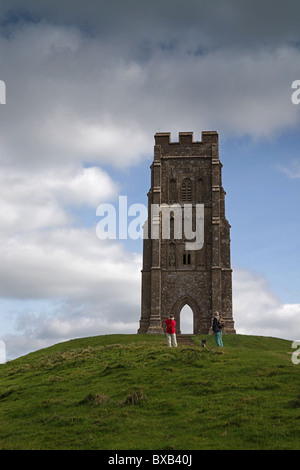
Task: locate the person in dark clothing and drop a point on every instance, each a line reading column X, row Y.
column 217, row 329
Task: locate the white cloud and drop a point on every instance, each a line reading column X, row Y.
column 66, row 262
column 259, row 311
column 35, row 200
column 293, row 170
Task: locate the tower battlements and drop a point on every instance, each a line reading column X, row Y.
column 186, row 146
column 186, row 138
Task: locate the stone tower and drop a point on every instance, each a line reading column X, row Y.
column 186, row 174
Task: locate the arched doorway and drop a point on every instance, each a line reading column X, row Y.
column 186, row 310
column 186, row 320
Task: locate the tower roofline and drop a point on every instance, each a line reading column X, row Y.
column 186, row 138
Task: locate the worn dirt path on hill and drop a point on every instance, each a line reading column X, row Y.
column 185, row 340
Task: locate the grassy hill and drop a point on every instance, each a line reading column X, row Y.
column 131, row 392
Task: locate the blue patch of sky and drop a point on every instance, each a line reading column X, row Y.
column 262, row 206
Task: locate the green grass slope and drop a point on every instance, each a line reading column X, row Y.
column 131, row 392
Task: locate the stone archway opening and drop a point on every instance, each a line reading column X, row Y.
column 186, row 320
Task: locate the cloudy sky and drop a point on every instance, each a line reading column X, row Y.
column 88, row 84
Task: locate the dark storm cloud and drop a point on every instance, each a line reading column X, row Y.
column 208, row 23
column 82, row 92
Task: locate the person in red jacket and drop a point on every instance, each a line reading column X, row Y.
column 171, row 335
